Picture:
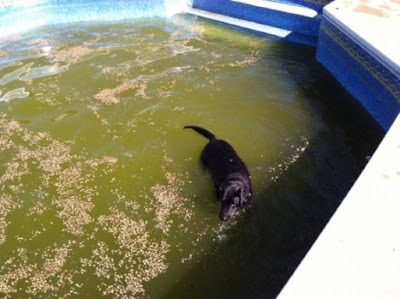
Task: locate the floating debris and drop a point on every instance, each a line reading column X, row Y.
column 91, row 201
column 109, row 96
column 70, row 55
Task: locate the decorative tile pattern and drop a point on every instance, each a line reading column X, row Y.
column 318, row 2
column 378, row 71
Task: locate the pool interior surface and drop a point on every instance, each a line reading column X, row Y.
column 103, row 193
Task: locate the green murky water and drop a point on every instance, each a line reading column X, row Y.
column 102, row 192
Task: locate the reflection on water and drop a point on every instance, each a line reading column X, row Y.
column 102, row 192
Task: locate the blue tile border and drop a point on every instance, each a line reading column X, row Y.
column 317, row 4
column 368, row 80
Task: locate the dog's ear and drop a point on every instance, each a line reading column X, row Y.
column 242, row 195
column 221, row 192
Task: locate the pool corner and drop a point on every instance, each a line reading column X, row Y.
column 365, row 61
column 357, row 255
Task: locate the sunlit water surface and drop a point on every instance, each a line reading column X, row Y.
column 103, row 193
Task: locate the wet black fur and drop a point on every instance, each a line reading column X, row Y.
column 229, row 173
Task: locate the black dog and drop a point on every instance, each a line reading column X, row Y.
column 229, row 173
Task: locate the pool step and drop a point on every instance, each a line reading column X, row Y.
column 301, row 21
column 239, row 23
column 281, row 6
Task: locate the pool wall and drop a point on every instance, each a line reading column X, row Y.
column 365, row 77
column 360, row 62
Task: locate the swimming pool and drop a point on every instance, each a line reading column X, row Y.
column 103, row 192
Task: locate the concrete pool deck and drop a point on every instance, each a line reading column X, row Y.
column 358, row 253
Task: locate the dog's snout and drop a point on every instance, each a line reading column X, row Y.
column 228, row 211
column 225, row 217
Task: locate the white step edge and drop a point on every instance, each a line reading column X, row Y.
column 239, row 23
column 283, row 7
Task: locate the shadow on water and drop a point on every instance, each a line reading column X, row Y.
column 259, row 253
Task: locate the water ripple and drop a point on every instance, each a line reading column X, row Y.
column 172, row 70
column 44, row 71
column 16, row 74
column 18, row 93
column 27, row 72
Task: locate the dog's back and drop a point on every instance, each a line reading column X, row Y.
column 220, row 157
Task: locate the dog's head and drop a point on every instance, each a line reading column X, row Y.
column 233, row 194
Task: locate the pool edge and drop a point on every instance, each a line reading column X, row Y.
column 357, row 255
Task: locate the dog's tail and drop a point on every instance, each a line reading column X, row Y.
column 202, row 131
